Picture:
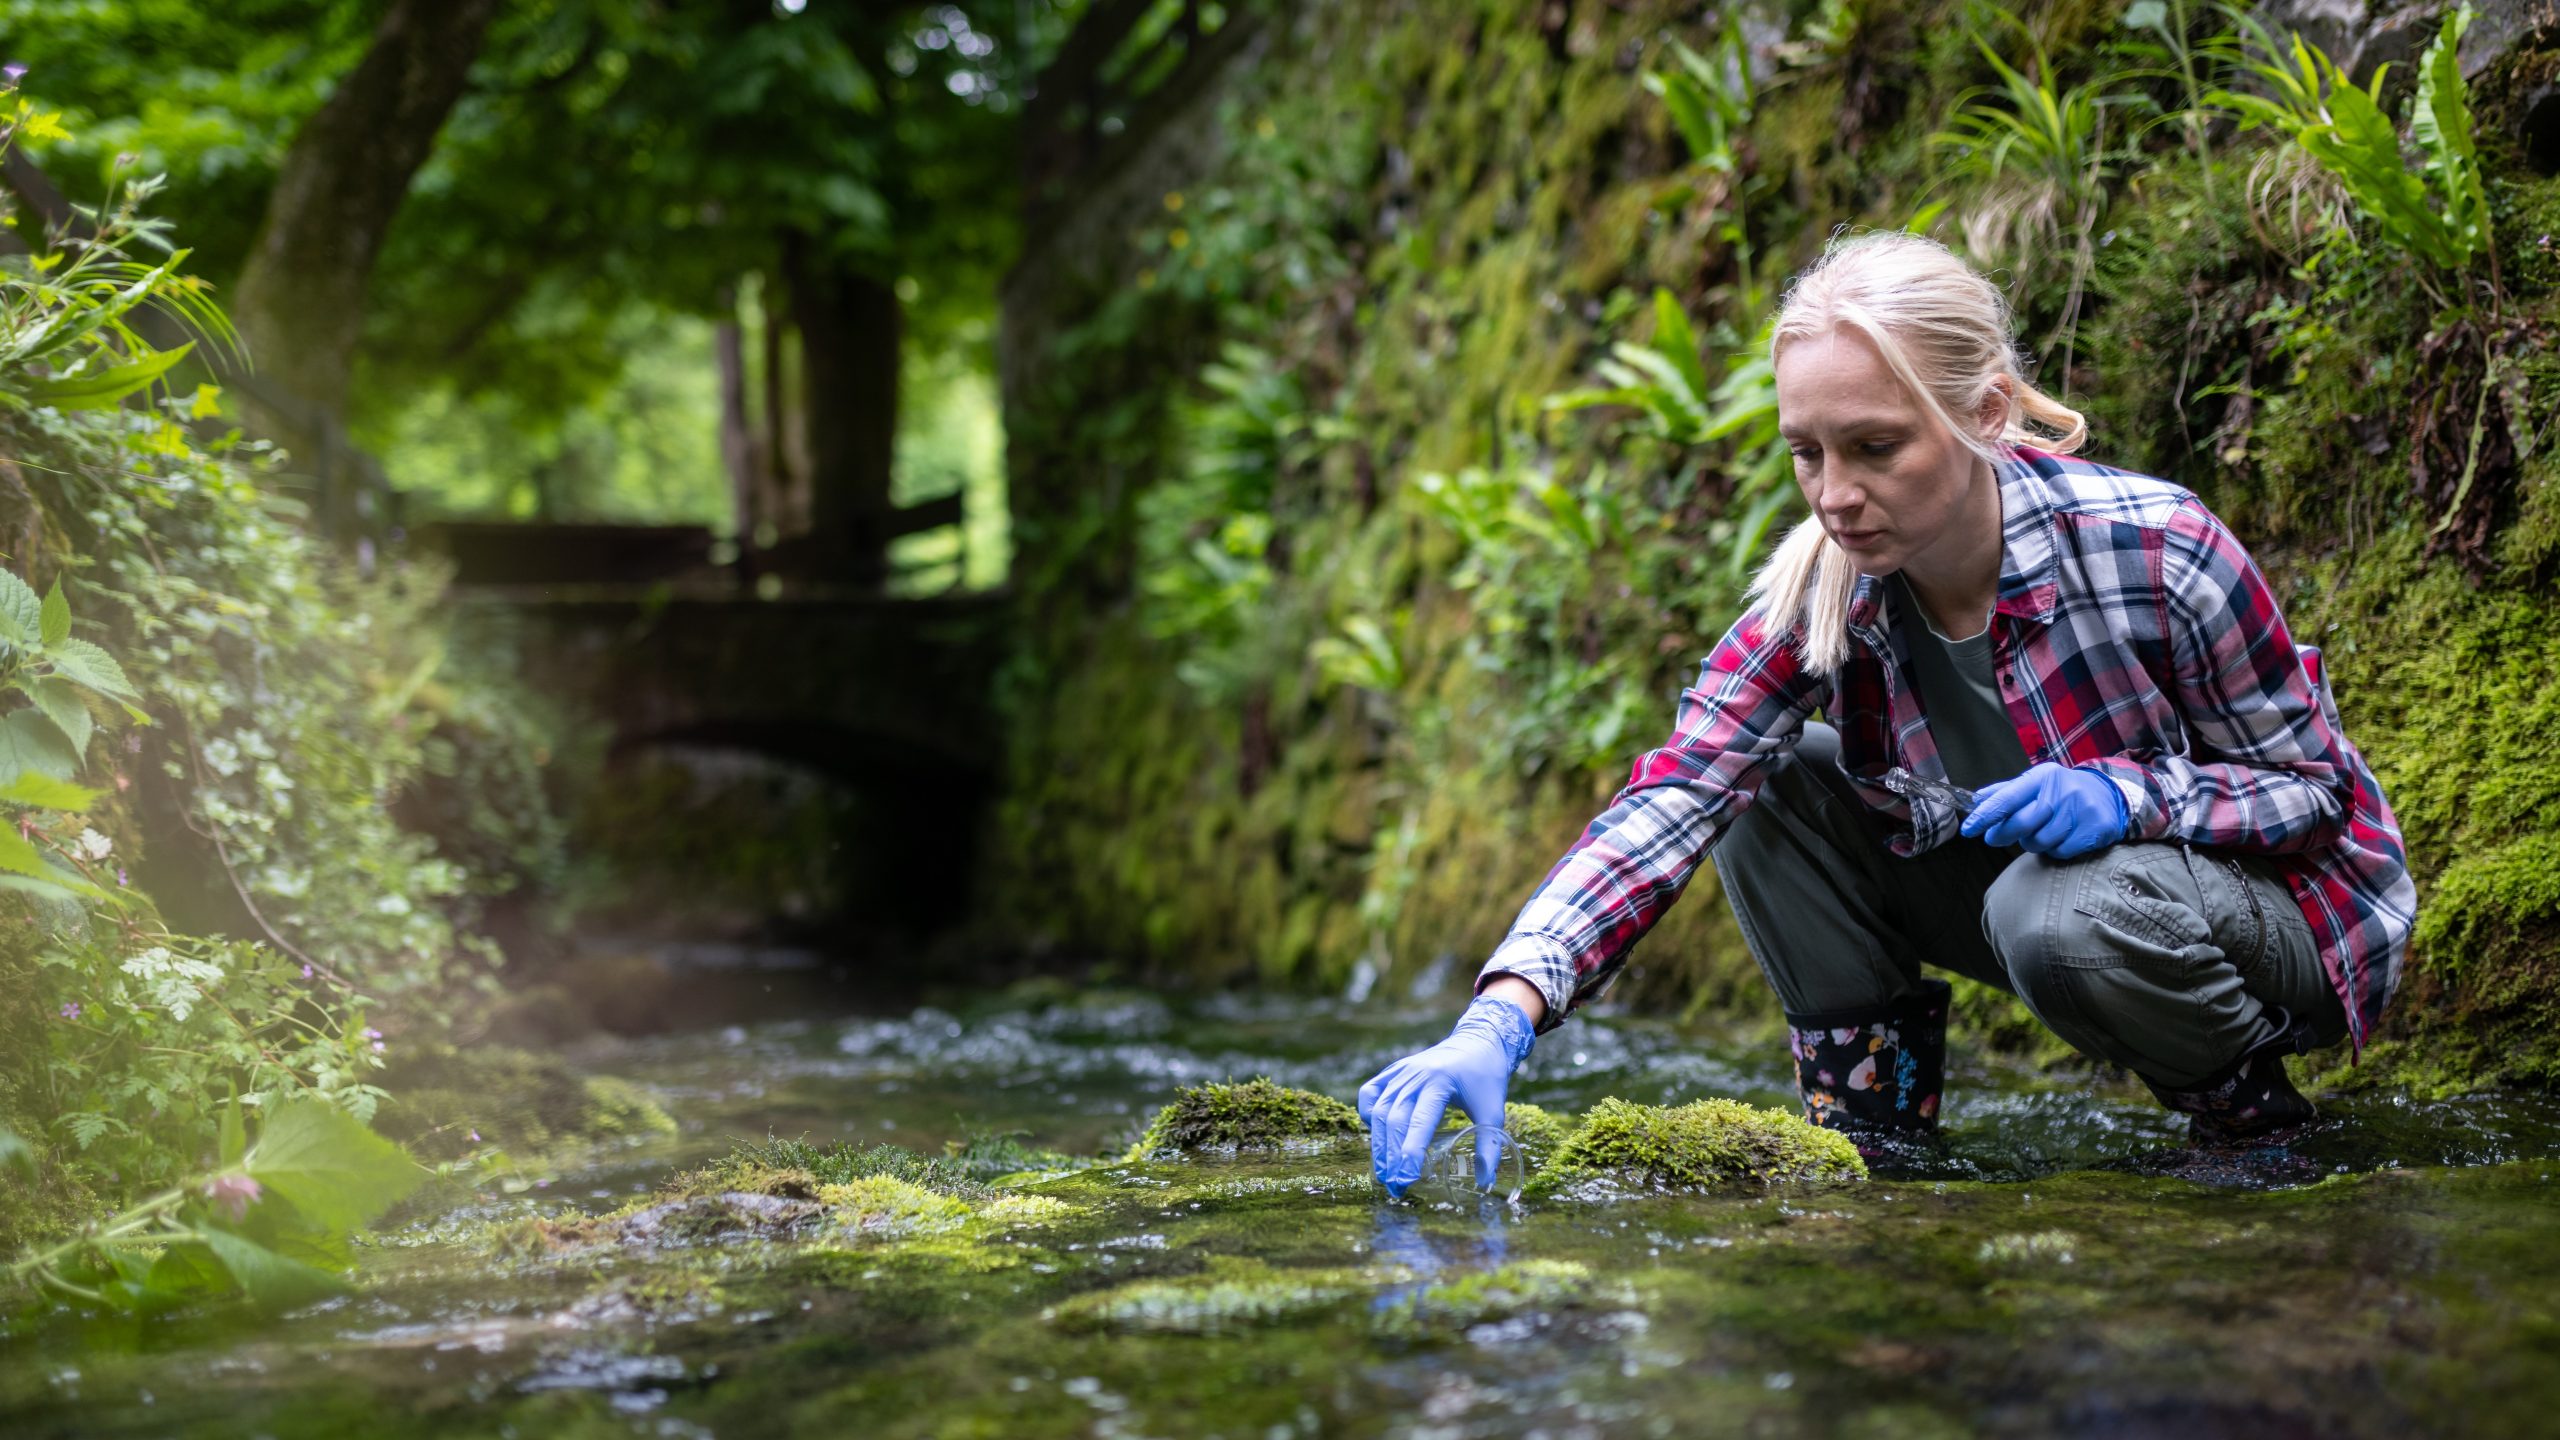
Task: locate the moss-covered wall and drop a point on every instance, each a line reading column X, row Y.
column 1358, row 732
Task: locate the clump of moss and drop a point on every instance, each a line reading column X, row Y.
column 1538, row 1132
column 886, row 1206
column 1256, row 1114
column 1704, row 1145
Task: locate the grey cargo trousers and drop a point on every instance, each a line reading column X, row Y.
column 2166, row 959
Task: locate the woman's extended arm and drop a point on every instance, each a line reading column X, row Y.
column 1746, row 710
column 2278, row 778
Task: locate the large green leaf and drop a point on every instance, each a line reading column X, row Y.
column 21, row 613
column 60, row 700
column 183, row 1272
column 108, row 384
column 19, row 856
column 269, row 1279
column 16, row 1154
column 31, row 742
column 333, row 1169
column 82, row 661
column 57, row 615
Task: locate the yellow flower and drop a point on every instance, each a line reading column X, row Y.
column 1173, row 200
column 1177, row 237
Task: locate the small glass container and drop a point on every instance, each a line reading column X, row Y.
column 1449, row 1169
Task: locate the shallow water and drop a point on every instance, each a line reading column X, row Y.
column 2067, row 1268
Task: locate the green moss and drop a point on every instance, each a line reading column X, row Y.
column 1234, row 1296
column 1704, row 1145
column 1497, row 1294
column 884, row 1205
column 1252, row 1115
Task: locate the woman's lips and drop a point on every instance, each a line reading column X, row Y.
column 1857, row 539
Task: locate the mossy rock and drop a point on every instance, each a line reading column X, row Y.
column 1486, row 1295
column 1256, row 1114
column 1233, row 1296
column 1704, row 1145
column 1536, row 1130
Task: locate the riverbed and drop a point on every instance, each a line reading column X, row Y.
column 2066, row 1267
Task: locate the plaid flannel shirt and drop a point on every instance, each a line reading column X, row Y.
column 2132, row 636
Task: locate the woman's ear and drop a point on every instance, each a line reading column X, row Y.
column 1991, row 417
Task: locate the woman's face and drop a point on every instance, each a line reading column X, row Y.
column 1888, row 480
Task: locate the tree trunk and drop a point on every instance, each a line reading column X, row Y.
column 300, row 301
column 737, row 433
column 849, row 348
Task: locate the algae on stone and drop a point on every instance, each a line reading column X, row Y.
column 1233, row 1295
column 1486, row 1295
column 1704, row 1145
column 1256, row 1114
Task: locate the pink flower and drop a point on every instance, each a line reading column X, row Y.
column 70, row 1009
column 232, row 1194
column 475, row 1137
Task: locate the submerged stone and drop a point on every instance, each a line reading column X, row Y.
column 1703, row 1145
column 1489, row 1295
column 1256, row 1114
column 1237, row 1297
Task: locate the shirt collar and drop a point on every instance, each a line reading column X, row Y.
column 2027, row 589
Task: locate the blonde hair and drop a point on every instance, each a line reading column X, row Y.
column 1944, row 330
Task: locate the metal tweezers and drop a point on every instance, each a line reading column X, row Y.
column 1917, row 787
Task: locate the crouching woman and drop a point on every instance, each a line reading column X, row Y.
column 2173, row 855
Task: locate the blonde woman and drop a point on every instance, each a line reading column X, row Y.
column 2173, row 854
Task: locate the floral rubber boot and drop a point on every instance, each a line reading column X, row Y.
column 1874, row 1073
column 2251, row 1096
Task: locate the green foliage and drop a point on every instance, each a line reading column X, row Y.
column 1254, row 1114
column 2437, row 213
column 1204, row 540
column 266, row 1224
column 281, row 706
column 1533, row 548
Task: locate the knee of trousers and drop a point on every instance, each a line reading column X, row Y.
column 2030, row 915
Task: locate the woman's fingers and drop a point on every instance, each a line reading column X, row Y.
column 1384, row 1126
column 1378, row 1086
column 1430, row 1102
column 2051, row 835
column 1488, row 1156
column 2021, row 822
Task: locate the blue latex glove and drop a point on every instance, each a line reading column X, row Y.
column 2056, row 810
column 1403, row 1103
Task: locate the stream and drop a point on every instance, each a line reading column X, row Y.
column 2067, row 1268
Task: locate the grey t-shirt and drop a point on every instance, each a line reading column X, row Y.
column 1976, row 742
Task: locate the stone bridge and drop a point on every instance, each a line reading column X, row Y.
column 884, row 695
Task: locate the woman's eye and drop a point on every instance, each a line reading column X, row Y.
column 1880, row 447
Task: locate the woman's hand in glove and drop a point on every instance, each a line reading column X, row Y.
column 2055, row 810
column 1403, row 1103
